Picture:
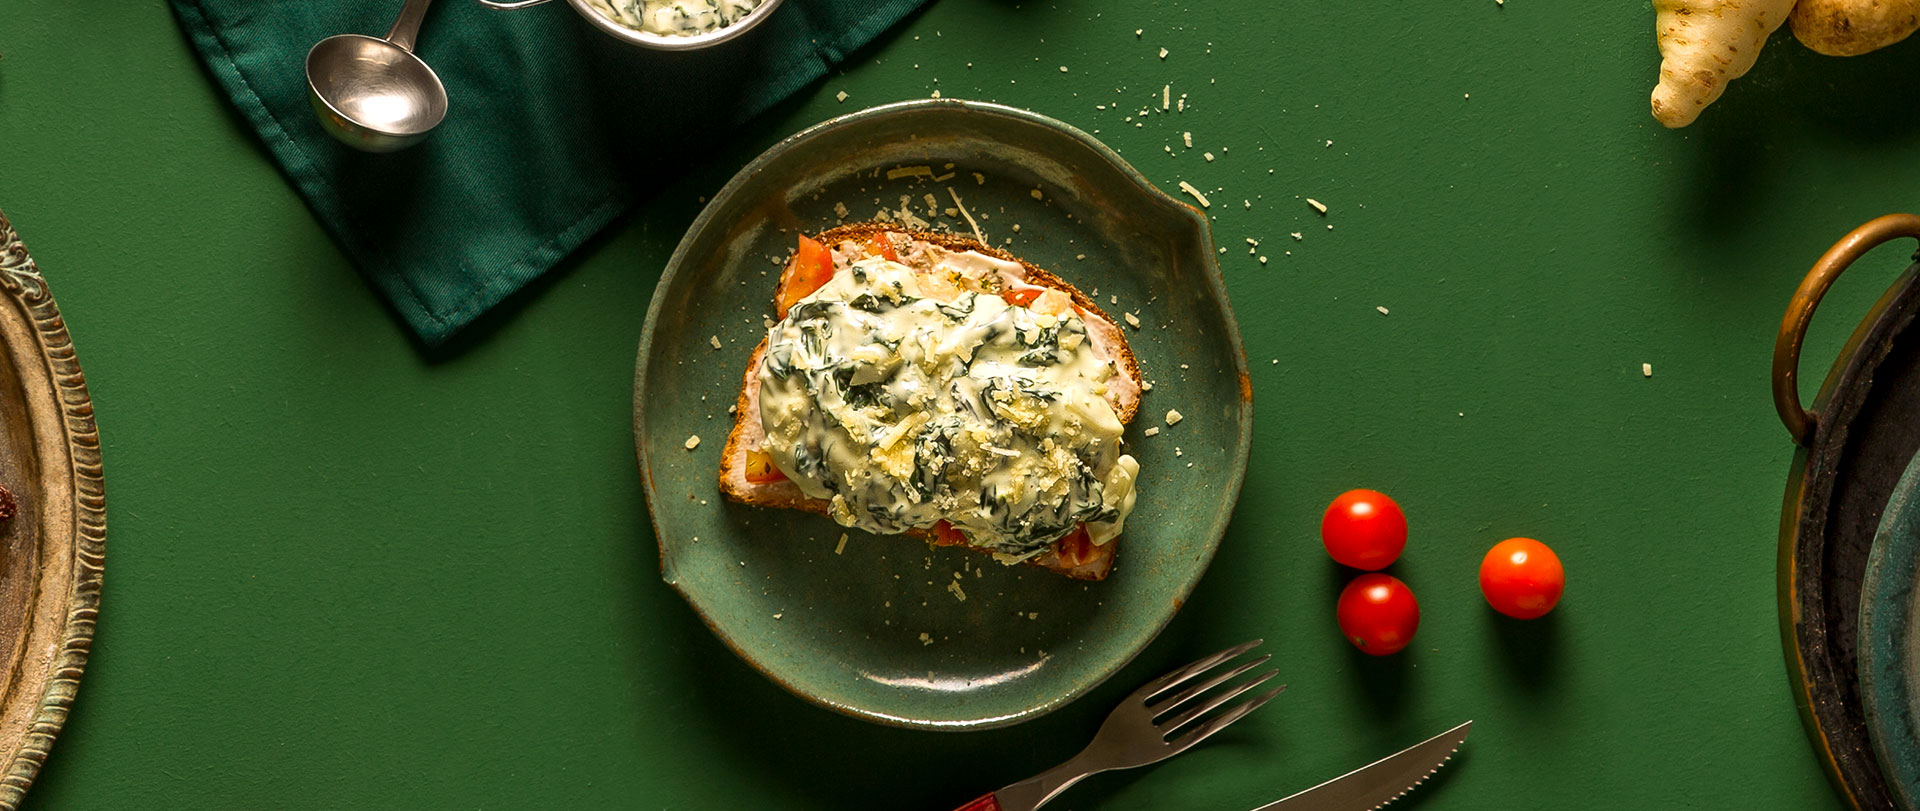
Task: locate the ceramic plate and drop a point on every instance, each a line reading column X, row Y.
column 1889, row 646
column 50, row 552
column 877, row 629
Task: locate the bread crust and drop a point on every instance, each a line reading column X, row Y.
column 747, row 435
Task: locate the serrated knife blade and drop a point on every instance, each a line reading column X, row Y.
column 1378, row 783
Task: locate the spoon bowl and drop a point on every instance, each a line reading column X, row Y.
column 372, row 94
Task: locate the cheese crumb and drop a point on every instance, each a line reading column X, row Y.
column 1317, row 205
column 1383, row 310
column 1187, row 138
column 1174, row 417
column 840, row 210
column 1166, row 96
column 693, row 442
column 715, row 340
column 1154, row 431
column 1132, row 320
column 1188, row 188
column 1063, row 68
column 958, row 593
column 1138, row 32
column 926, row 638
column 1297, row 236
column 1646, row 370
column 779, row 615
column 1163, row 53
column 1036, row 194
column 1208, row 156
column 842, row 95
column 1263, row 260
column 841, row 547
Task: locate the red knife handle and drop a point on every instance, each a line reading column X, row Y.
column 987, row 803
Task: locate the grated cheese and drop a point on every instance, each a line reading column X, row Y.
column 968, row 215
column 693, row 442
column 1174, row 417
column 1188, row 188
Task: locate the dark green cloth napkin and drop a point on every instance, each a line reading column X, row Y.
column 554, row 129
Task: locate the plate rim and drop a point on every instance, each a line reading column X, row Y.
column 78, row 603
column 1210, row 270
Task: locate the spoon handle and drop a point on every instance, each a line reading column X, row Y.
column 407, row 28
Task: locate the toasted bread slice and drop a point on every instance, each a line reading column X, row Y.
column 748, row 436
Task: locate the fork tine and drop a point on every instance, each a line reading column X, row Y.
column 1187, row 694
column 1177, row 677
column 1221, row 721
column 1214, row 701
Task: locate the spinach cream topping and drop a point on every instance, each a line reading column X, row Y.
column 903, row 397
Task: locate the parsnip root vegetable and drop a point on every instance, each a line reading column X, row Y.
column 1704, row 44
column 1853, row 27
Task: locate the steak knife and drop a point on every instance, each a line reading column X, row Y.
column 1378, row 783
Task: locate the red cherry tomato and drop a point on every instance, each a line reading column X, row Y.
column 1378, row 614
column 1364, row 529
column 1522, row 578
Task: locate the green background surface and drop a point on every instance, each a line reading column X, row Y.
column 346, row 573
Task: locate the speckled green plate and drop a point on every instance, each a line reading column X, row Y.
column 875, row 630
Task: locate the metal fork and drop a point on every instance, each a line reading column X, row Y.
column 1132, row 735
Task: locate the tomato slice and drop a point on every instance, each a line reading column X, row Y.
column 1022, row 297
column 811, row 268
column 1076, row 548
column 760, row 468
column 883, row 248
column 945, row 535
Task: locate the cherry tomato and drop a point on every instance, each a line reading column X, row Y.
column 1364, row 529
column 1522, row 578
column 811, row 269
column 881, row 247
column 1378, row 614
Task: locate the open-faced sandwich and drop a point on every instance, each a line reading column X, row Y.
column 923, row 383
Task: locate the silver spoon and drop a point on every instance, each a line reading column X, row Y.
column 375, row 94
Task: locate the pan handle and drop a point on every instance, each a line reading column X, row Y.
column 1793, row 328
